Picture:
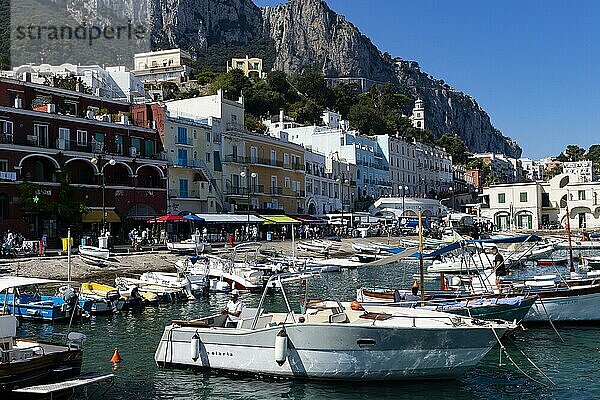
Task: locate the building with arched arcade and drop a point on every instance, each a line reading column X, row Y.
column 62, row 147
column 534, row 205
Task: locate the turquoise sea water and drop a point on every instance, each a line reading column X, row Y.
column 574, row 366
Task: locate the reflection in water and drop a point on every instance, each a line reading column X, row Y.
column 574, row 365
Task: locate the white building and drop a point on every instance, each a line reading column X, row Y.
column 162, row 66
column 531, row 205
column 581, row 171
column 372, row 169
column 401, row 157
column 505, row 169
column 117, row 83
column 328, row 184
column 409, row 206
column 532, row 170
column 434, row 169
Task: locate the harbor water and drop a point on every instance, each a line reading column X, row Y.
column 573, row 366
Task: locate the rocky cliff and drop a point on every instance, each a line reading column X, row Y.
column 309, row 33
column 304, row 33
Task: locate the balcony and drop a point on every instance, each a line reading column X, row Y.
column 185, row 194
column 275, row 190
column 184, row 142
column 233, row 158
column 243, row 191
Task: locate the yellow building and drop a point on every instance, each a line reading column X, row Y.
column 264, row 172
column 252, row 67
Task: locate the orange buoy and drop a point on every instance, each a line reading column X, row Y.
column 116, row 358
column 356, row 306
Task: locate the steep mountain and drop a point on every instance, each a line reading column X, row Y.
column 309, row 33
column 303, row 33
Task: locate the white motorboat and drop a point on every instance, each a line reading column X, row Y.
column 331, row 341
column 94, row 253
column 189, row 246
column 168, row 284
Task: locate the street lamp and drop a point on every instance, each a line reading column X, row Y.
column 404, row 189
column 253, row 175
column 95, row 161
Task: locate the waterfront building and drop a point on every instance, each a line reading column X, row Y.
column 261, row 172
column 251, row 67
column 117, row 83
column 401, row 157
column 434, row 169
column 532, row 205
column 58, row 143
column 372, row 169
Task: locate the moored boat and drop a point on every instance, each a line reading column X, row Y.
column 26, row 362
column 332, row 342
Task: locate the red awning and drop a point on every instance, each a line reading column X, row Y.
column 308, row 219
column 167, row 218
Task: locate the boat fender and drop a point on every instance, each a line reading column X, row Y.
column 356, row 306
column 281, row 347
column 195, row 346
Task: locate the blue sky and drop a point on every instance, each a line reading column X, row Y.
column 533, row 65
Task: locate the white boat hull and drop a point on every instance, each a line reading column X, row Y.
column 188, row 247
column 94, row 252
column 579, row 308
column 334, row 352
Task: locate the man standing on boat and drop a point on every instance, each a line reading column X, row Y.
column 499, row 267
column 233, row 310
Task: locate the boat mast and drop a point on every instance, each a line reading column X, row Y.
column 568, row 227
column 421, row 273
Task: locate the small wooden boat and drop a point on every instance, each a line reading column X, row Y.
column 26, row 362
column 552, row 261
column 122, row 299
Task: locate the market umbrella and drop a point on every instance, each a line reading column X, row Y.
column 167, row 218
column 193, row 218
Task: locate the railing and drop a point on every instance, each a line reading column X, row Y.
column 186, row 142
column 243, row 191
column 185, row 194
column 6, row 138
column 275, row 190
column 236, row 159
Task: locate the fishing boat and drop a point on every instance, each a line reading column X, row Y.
column 331, row 341
column 489, row 306
column 25, row 362
column 189, row 246
column 552, row 261
column 590, row 262
column 27, row 300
